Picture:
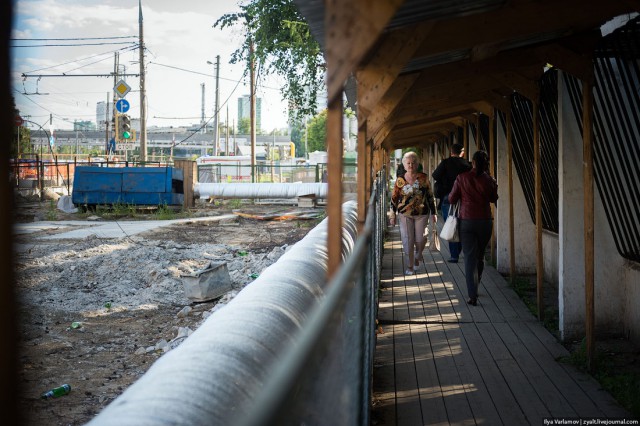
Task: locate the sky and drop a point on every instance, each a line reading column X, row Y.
column 179, row 38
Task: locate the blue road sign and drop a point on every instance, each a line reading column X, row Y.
column 122, row 105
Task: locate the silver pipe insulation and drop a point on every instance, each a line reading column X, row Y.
column 259, row 190
column 215, row 375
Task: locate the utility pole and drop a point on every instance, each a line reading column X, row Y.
column 107, row 122
column 216, row 136
column 216, row 129
column 143, row 95
column 202, row 121
column 226, row 139
column 252, row 88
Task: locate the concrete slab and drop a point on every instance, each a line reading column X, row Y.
column 114, row 229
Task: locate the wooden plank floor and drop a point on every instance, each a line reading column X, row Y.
column 440, row 361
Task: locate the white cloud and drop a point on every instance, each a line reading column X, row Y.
column 177, row 34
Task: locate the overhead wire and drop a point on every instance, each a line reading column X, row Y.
column 215, row 113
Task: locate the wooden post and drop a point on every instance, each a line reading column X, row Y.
column 363, row 175
column 587, row 169
column 538, row 198
column 368, row 170
column 492, row 165
column 334, row 197
column 478, row 132
column 465, row 142
column 512, row 256
column 190, row 173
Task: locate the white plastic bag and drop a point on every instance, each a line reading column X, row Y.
column 450, row 228
column 66, row 205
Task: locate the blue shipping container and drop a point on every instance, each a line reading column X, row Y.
column 151, row 186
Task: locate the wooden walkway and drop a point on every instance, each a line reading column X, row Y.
column 440, row 361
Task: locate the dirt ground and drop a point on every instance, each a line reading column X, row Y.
column 96, row 313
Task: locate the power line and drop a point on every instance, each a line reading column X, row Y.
column 76, row 38
column 74, row 45
column 84, row 59
column 206, row 75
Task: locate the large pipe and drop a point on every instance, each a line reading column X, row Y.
column 214, row 376
column 259, row 190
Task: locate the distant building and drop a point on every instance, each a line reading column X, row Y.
column 102, row 114
column 244, row 109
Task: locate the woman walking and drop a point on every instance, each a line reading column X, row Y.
column 475, row 190
column 413, row 199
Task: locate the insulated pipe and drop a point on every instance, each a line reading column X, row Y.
column 259, row 190
column 214, row 376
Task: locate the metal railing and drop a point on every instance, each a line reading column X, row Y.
column 265, row 172
column 326, row 379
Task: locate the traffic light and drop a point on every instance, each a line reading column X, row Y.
column 124, row 129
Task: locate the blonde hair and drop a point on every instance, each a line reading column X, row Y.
column 410, row 154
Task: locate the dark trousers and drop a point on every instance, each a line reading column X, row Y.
column 454, row 248
column 474, row 235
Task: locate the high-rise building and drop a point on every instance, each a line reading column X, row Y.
column 244, row 109
column 101, row 109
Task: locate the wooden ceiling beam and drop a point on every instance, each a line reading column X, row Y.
column 384, row 109
column 378, row 75
column 351, row 30
column 435, row 115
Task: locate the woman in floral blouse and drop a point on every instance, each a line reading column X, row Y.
column 412, row 198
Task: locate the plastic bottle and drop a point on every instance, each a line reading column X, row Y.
column 56, row 392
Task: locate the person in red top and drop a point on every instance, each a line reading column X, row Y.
column 413, row 199
column 475, row 190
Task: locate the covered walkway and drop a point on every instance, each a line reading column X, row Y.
column 441, row 361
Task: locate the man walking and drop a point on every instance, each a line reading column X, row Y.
column 445, row 175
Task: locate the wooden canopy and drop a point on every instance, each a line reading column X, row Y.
column 421, row 67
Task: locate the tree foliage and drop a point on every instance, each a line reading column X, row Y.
column 282, row 45
column 244, row 126
column 317, row 132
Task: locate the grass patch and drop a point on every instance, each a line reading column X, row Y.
column 612, row 372
column 165, row 212
column 525, row 288
column 116, row 211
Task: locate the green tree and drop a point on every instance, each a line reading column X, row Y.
column 21, row 140
column 282, row 44
column 317, row 132
column 244, row 126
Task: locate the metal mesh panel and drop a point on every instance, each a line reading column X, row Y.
column 522, row 110
column 483, row 143
column 616, row 133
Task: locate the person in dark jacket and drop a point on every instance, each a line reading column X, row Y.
column 445, row 175
column 413, row 200
column 475, row 189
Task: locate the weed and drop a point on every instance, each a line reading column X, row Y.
column 122, row 209
column 234, row 203
column 52, row 211
column 164, row 212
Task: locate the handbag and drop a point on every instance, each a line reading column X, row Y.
column 434, row 243
column 450, row 228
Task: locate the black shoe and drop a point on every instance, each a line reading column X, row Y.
column 473, row 302
column 452, row 260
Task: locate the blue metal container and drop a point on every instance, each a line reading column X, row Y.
column 151, row 186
